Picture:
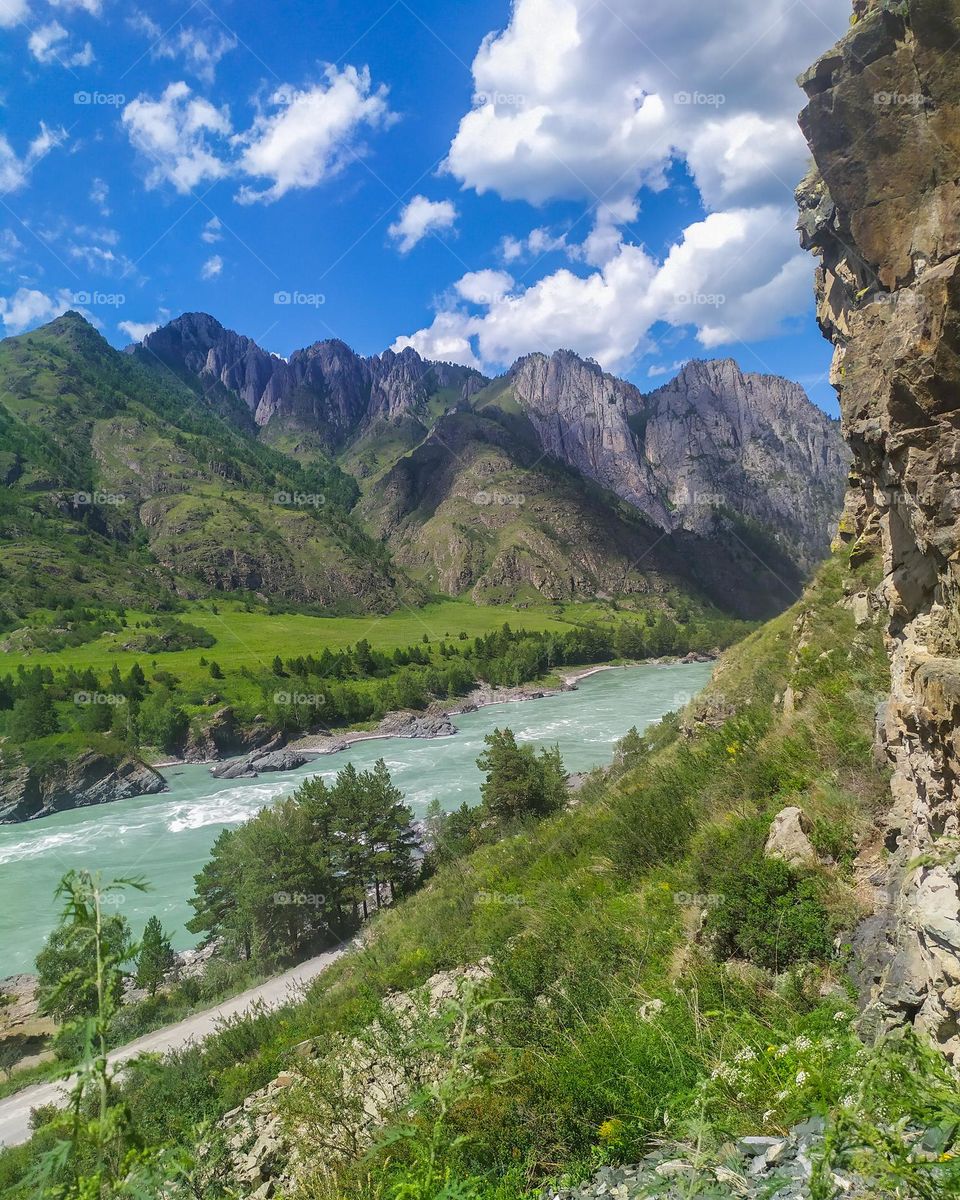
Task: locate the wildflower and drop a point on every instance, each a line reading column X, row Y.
column 781, row 1096
column 841, row 1016
column 610, row 1130
column 745, row 1055
column 801, row 1078
column 783, row 1051
column 803, row 1043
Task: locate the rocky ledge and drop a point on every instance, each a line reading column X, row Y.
column 881, row 209
column 27, row 793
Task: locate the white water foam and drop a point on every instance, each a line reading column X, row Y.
column 230, row 807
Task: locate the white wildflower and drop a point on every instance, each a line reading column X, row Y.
column 841, row 1016
column 803, row 1043
column 745, row 1055
column 801, row 1078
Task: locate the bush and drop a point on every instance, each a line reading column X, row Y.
column 769, row 914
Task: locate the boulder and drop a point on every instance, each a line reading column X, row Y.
column 788, row 839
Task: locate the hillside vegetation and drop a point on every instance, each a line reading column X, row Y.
column 644, row 971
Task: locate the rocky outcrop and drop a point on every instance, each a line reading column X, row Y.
column 349, row 1087
column 325, row 388
column 713, row 440
column 260, row 762
column 882, row 210
column 27, row 793
column 788, row 840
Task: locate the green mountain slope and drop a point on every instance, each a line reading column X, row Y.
column 124, row 485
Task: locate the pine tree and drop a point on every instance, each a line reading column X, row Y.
column 155, row 958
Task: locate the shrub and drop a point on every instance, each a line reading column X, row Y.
column 769, row 914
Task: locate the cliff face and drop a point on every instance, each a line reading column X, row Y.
column 326, row 387
column 711, row 439
column 882, row 210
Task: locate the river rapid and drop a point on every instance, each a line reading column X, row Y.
column 166, row 839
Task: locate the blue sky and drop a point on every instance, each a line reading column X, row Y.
column 478, row 179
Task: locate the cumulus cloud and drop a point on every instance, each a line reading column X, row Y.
column 199, row 49
column 736, row 275
column 14, row 170
column 178, row 135
column 594, row 103
column 299, row 138
column 418, row 219
column 212, row 232
column 589, row 101
column 28, row 307
column 10, row 245
column 304, row 136
column 12, row 12
column 136, row 331
column 212, row 267
column 50, row 44
column 94, row 7
column 537, row 243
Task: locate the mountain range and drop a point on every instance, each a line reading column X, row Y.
column 198, row 462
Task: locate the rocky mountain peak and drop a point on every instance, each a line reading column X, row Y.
column 325, row 388
column 712, row 439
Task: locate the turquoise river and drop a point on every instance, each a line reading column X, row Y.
column 165, row 839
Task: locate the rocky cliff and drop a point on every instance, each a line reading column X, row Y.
column 713, row 440
column 882, row 210
column 324, row 388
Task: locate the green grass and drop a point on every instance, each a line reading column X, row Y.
column 587, row 926
column 252, row 639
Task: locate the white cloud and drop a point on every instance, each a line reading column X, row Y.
column 100, row 194
column 299, row 139
column 200, row 49
column 10, row 245
column 136, row 331
column 484, row 287
column 537, row 243
column 212, row 267
column 589, row 102
column 418, row 219
column 94, row 7
column 305, row 136
column 14, row 171
column 593, row 101
column 12, row 12
column 28, row 307
column 735, row 275
column 49, row 44
column 174, row 133
column 212, row 231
